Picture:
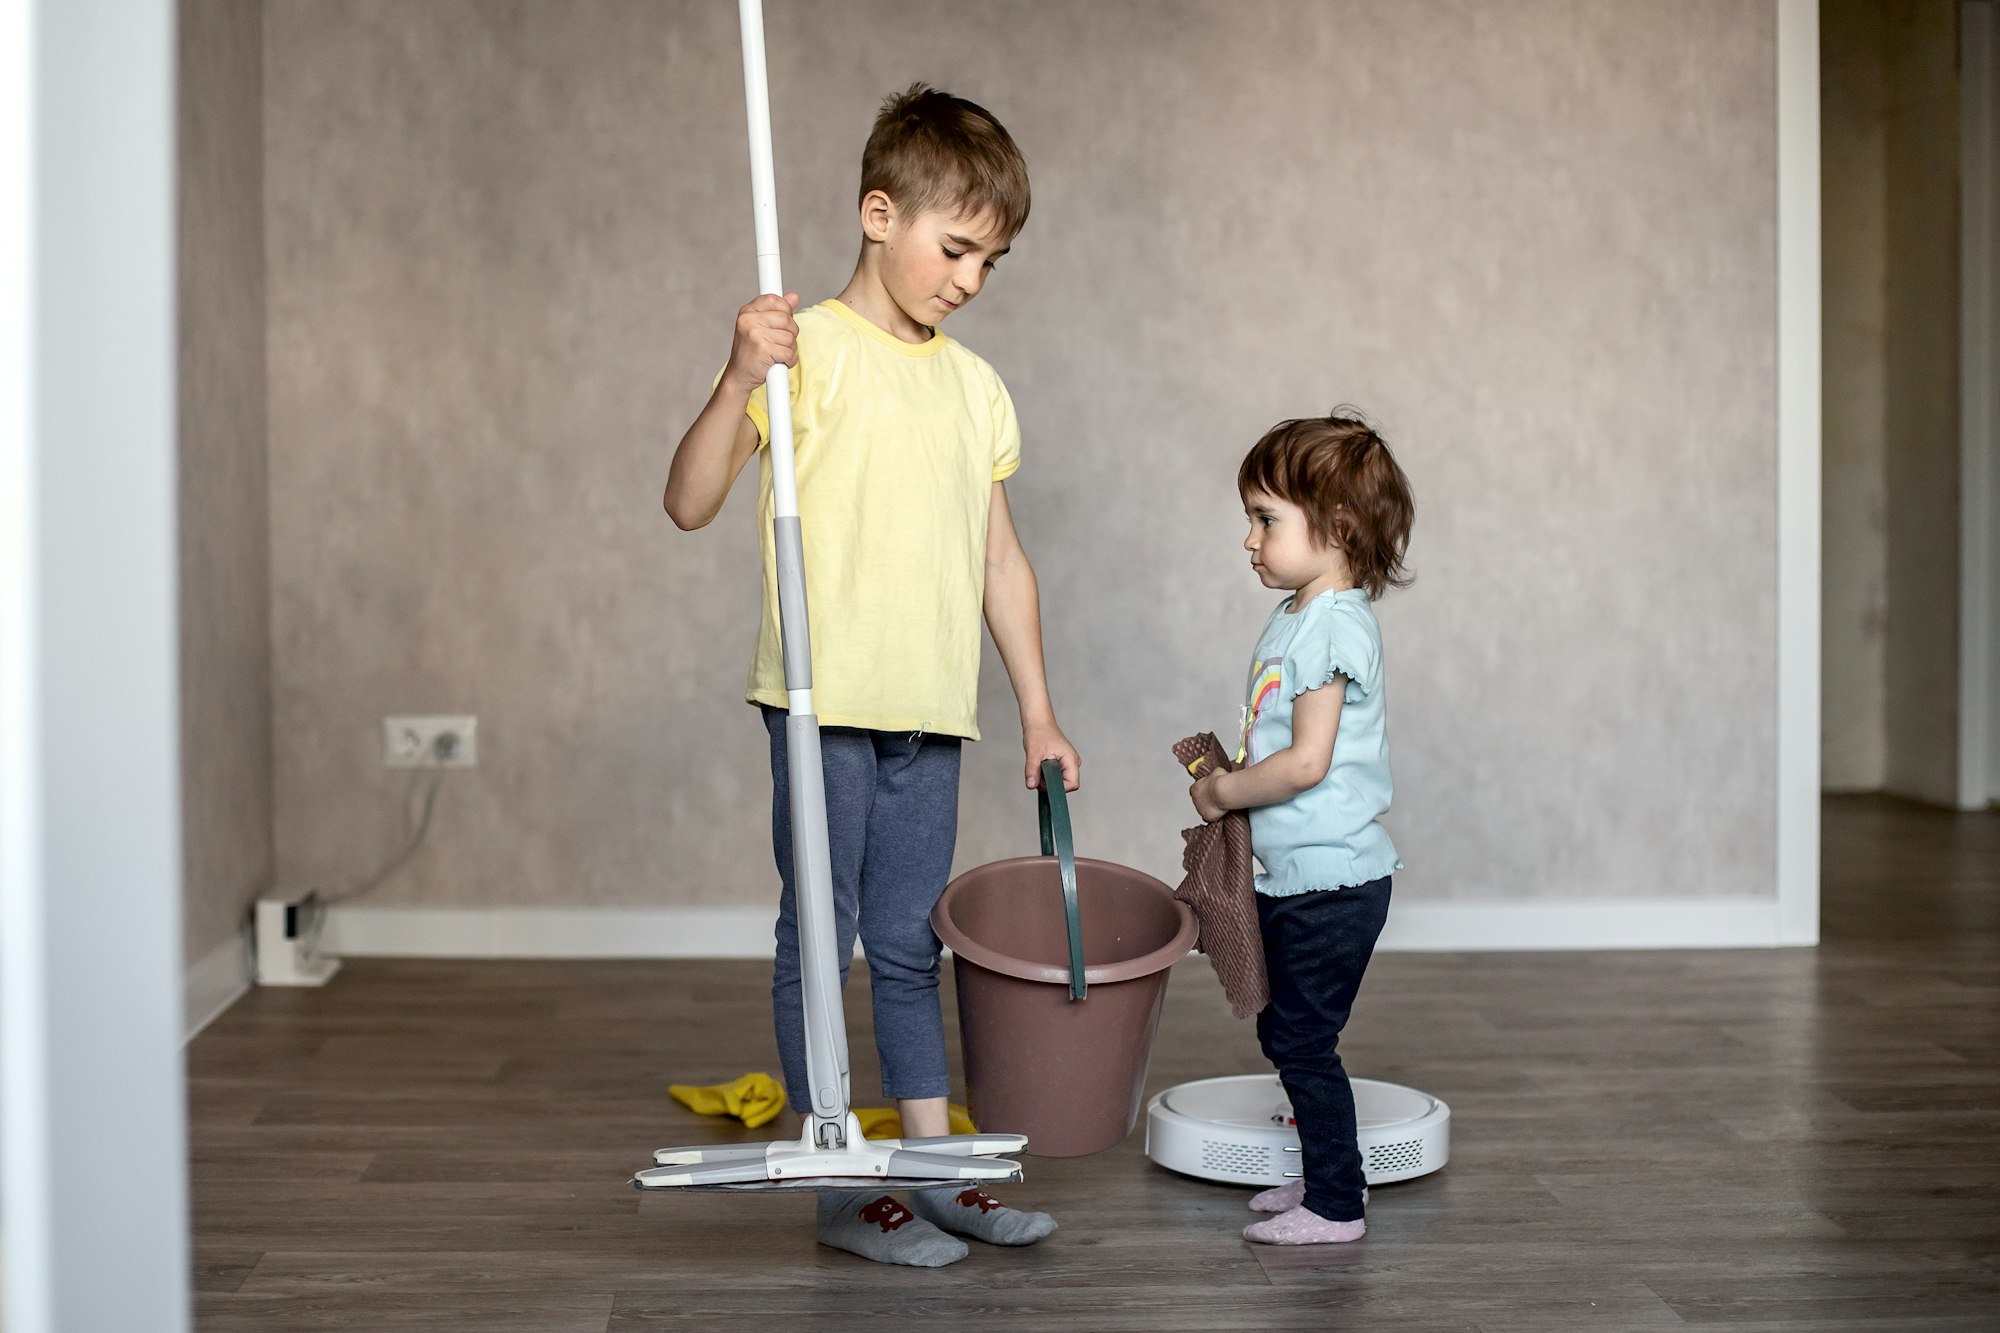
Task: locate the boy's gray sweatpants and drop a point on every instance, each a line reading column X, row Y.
column 892, row 821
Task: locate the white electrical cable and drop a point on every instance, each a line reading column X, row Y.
column 401, row 858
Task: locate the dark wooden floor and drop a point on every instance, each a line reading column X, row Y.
column 1752, row 1141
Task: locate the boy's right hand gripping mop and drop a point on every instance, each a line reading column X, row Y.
column 1220, row 889
column 831, row 1153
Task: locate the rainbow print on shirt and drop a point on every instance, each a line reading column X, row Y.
column 1266, row 678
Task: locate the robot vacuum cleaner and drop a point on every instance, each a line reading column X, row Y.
column 1241, row 1130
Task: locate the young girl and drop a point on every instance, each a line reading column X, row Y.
column 1330, row 516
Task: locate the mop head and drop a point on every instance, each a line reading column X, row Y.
column 832, row 1185
column 823, row 1159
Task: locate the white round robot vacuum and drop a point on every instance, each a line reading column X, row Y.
column 1241, row 1130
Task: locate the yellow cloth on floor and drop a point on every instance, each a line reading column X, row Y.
column 886, row 1122
column 755, row 1099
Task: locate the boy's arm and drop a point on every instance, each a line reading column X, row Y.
column 1014, row 615
column 1281, row 776
column 710, row 457
column 723, row 438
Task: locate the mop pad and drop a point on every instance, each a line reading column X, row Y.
column 1220, row 889
column 755, row 1099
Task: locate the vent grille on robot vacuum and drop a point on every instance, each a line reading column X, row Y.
column 1237, row 1158
column 1404, row 1156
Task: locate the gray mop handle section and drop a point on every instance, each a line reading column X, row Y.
column 819, row 968
column 792, row 624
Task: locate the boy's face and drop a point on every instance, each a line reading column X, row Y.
column 1281, row 546
column 934, row 262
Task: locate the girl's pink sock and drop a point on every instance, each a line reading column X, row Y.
column 1284, row 1198
column 1301, row 1226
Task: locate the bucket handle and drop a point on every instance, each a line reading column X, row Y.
column 1057, row 842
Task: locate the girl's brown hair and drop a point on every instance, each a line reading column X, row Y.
column 932, row 150
column 1355, row 496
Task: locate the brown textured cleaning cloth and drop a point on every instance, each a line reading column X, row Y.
column 1220, row 889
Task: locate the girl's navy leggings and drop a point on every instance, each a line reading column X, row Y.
column 1316, row 946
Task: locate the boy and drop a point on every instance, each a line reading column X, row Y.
column 904, row 442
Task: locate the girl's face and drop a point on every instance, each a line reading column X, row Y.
column 1281, row 546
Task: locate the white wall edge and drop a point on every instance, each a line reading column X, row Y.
column 1978, row 415
column 93, row 1107
column 26, row 1250
column 745, row 932
column 1799, row 279
column 217, row 980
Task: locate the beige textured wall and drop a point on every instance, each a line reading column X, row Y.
column 225, row 592
column 1854, row 471
column 1922, row 133
column 1534, row 239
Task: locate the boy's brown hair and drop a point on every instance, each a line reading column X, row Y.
column 930, row 150
column 1355, row 496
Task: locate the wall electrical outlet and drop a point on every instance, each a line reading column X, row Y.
column 430, row 742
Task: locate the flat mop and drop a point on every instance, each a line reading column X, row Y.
column 831, row 1152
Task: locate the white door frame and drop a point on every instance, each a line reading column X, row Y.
column 1979, row 412
column 93, row 1146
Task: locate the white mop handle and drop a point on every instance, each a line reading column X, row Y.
column 812, row 863
column 764, row 202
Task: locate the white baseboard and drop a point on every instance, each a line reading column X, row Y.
column 538, row 932
column 218, row 980
column 1474, row 926
column 745, row 932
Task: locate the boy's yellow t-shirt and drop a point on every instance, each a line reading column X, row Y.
column 897, row 446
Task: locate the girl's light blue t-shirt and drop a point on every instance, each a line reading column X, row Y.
column 1329, row 836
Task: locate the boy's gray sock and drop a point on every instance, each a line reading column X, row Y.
column 975, row 1213
column 876, row 1226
